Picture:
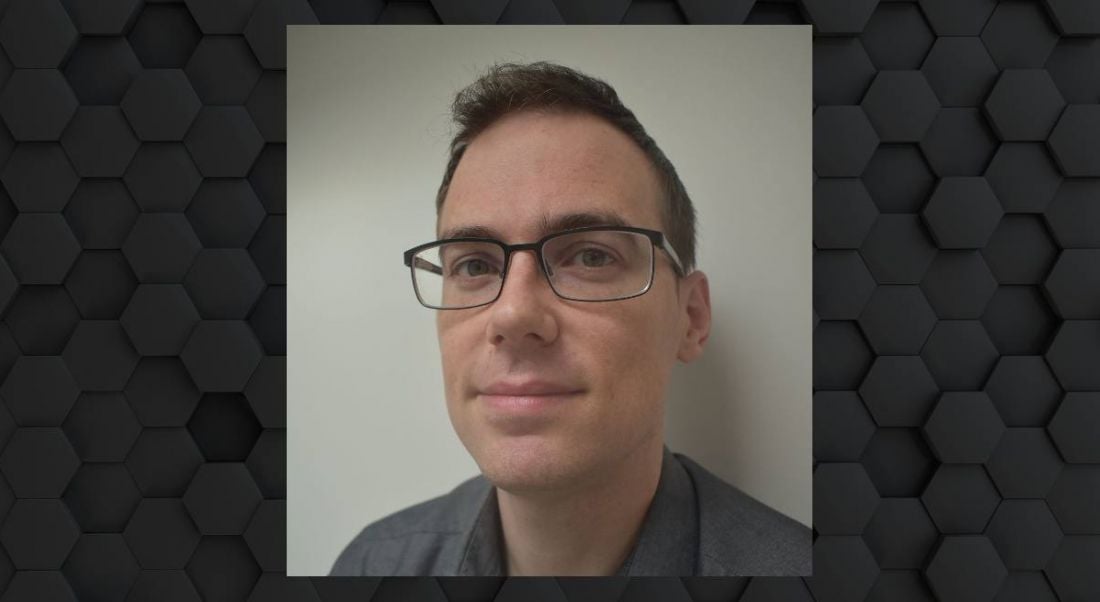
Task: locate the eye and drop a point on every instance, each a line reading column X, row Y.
column 594, row 258
column 472, row 268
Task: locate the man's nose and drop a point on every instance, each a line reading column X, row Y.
column 521, row 312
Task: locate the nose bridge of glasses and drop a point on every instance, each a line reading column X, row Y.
column 515, row 251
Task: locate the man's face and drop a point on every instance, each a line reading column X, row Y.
column 546, row 393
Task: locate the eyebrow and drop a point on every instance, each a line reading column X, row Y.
column 547, row 225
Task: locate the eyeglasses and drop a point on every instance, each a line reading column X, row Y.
column 598, row 263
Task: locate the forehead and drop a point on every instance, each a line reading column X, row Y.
column 529, row 169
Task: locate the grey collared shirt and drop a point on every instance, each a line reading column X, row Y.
column 696, row 524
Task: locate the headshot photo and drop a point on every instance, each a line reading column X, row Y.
column 551, row 302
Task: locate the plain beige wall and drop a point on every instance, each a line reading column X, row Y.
column 368, row 126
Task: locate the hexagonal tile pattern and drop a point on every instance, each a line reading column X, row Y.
column 224, row 142
column 40, row 248
column 224, row 427
column 266, row 29
column 845, row 498
column 897, row 250
column 222, row 568
column 159, row 319
column 161, row 392
column 54, row 33
column 1025, row 463
column 266, row 395
column 160, row 104
column 843, row 213
column 844, row 141
column 954, row 482
column 162, row 461
column 37, row 104
column 40, row 585
column 38, row 462
column 965, row 567
column 100, row 283
column 102, row 427
column 268, row 178
column 1024, row 177
column 958, row 143
column 1074, row 499
column 1074, row 427
column 161, row 247
column 898, row 462
column 267, row 463
column 41, row 318
column 1072, row 212
column 1020, row 250
column 100, row 69
column 959, row 354
column 268, row 320
column 98, row 18
column 897, row 320
column 1024, row 533
column 223, row 70
column 897, row 36
column 164, row 585
column 1023, row 390
column 844, row 568
column 162, row 177
column 38, row 534
column 225, row 213
column 101, row 213
column 899, row 585
column 268, row 249
column 765, row 589
column 101, row 497
column 964, row 427
column 39, row 177
column 1019, row 320
column 218, row 17
column 1024, row 105
column 1072, row 138
column 900, row 105
column 843, row 284
column 164, row 36
column 267, row 106
column 220, row 355
column 900, row 534
column 1019, row 35
column 266, row 535
column 949, row 18
column 1073, row 285
column 958, row 285
column 39, row 391
column 161, row 534
column 962, row 213
column 842, row 426
column 221, row 498
column 99, row 142
column 840, row 357
column 828, row 18
column 1074, row 18
column 898, row 178
column 960, row 71
column 101, row 567
column 1071, row 570
column 842, row 71
column 1074, row 67
column 99, row 356
column 1073, row 355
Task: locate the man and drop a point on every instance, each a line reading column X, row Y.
column 565, row 293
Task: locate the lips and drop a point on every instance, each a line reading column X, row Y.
column 528, row 388
column 514, row 404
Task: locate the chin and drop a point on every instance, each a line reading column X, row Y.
column 527, row 463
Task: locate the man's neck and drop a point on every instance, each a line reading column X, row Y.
column 588, row 532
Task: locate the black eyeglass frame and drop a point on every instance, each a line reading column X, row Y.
column 658, row 239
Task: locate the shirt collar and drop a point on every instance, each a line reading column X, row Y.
column 667, row 543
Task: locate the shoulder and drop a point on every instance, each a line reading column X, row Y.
column 424, row 539
column 739, row 535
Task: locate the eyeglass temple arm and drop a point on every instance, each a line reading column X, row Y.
column 673, row 255
column 423, row 264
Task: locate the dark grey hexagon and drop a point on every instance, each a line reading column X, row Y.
column 1025, row 463
column 959, row 70
column 221, row 498
column 900, row 105
column 99, row 356
column 39, row 391
column 222, row 16
column 897, row 320
column 54, row 34
column 160, row 104
column 1074, row 354
column 844, row 141
column 1072, row 571
column 162, row 177
column 954, row 482
column 161, row 534
column 897, row 250
column 1073, row 141
column 842, row 71
column 161, row 247
column 1024, row 390
column 959, row 354
column 93, row 17
column 223, row 142
column 226, row 213
column 897, row 36
column 952, row 18
column 40, row 248
column 842, row 284
column 842, row 426
column 102, row 427
column 831, row 18
column 1074, row 498
column 958, row 285
column 1074, row 427
column 1019, row 35
column 266, row 29
column 900, row 533
column 1024, row 533
column 844, row 498
column 898, row 178
column 223, row 70
column 159, row 319
column 37, row 104
column 959, row 143
column 38, row 462
column 1024, row 105
column 1073, row 285
column 964, row 427
column 1075, row 18
column 1024, row 177
column 962, row 213
column 38, row 534
column 39, row 177
column 99, row 142
column 1073, row 212
column 844, row 568
column 221, row 355
column 965, row 567
column 899, row 391
column 162, row 461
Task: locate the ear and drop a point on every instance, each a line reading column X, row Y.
column 695, row 296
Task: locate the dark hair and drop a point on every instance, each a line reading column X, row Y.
column 511, row 88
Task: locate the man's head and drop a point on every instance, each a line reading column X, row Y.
column 544, row 392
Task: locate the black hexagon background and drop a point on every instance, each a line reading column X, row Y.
column 956, row 304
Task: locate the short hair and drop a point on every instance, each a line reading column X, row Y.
column 508, row 88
